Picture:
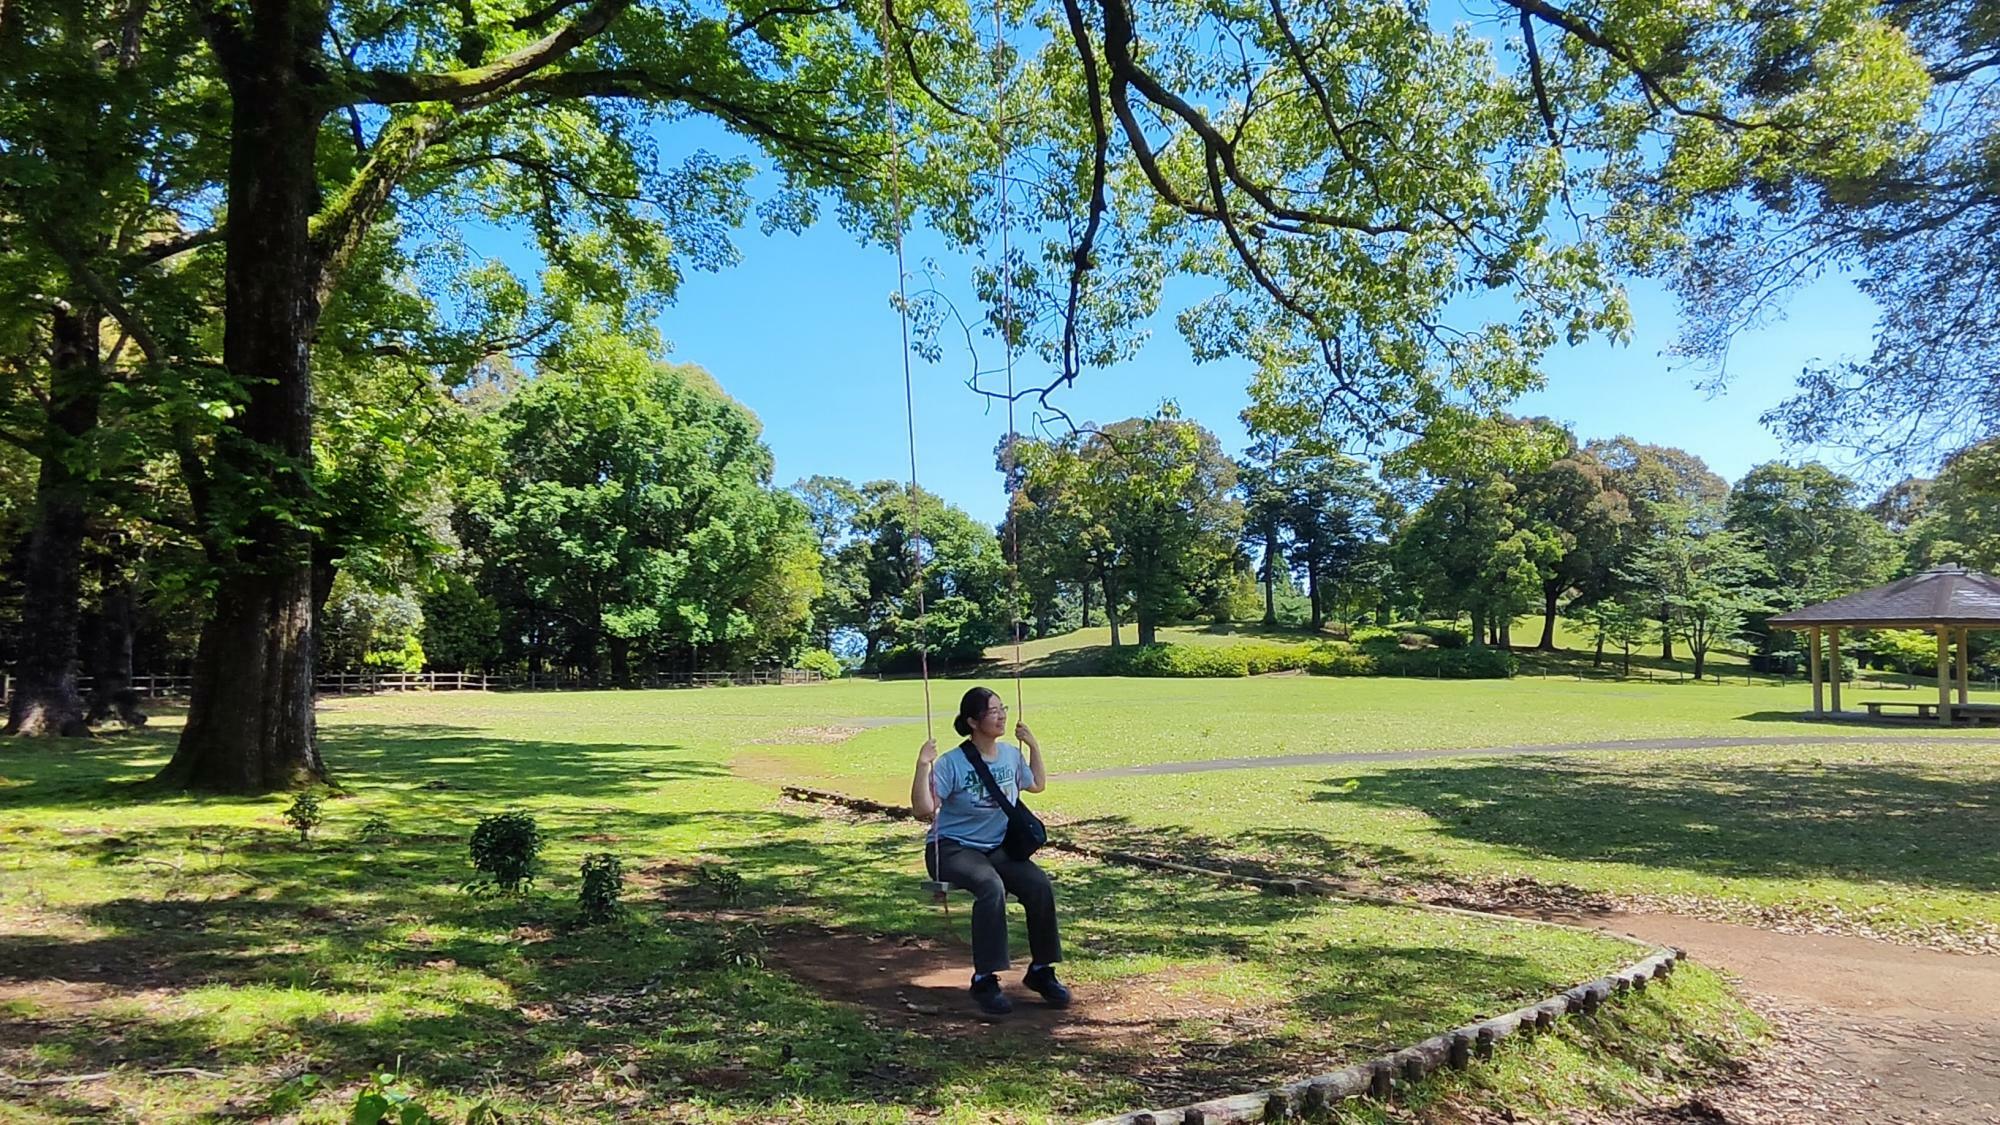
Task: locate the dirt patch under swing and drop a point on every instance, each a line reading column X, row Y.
column 921, row 984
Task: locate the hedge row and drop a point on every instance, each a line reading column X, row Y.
column 1382, row 656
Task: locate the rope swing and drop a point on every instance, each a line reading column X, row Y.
column 940, row 890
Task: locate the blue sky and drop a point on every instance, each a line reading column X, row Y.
column 803, row 332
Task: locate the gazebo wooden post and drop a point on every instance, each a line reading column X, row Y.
column 1833, row 662
column 1944, row 676
column 1812, row 662
column 1965, row 666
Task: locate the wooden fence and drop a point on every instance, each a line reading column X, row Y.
column 363, row 683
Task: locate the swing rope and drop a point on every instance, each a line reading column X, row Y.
column 914, row 539
column 1000, row 68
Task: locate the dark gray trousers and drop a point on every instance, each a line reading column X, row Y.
column 991, row 877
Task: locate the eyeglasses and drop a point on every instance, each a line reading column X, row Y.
column 1000, row 710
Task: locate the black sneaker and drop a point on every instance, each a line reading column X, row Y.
column 1043, row 980
column 986, row 993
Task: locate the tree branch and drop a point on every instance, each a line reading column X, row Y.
column 1651, row 83
column 775, row 11
column 391, row 87
column 540, row 17
column 1119, row 36
column 1083, row 254
column 107, row 297
column 756, row 120
column 339, row 230
column 1535, row 75
column 160, row 251
column 907, row 41
column 20, row 442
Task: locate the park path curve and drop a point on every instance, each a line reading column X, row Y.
column 1334, row 758
column 1877, row 1032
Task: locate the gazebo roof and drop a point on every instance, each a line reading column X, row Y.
column 1942, row 595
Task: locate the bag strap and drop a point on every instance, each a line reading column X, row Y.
column 986, row 775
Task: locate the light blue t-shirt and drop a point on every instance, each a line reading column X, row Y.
column 966, row 811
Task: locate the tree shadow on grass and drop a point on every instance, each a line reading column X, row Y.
column 453, row 759
column 348, row 957
column 52, row 772
column 433, row 757
column 1798, row 820
column 1085, row 660
column 1297, row 852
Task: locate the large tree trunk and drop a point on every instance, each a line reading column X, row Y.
column 1083, row 595
column 1507, row 630
column 1111, row 609
column 1149, row 622
column 621, row 661
column 325, row 568
column 1550, row 593
column 1270, row 580
column 1700, row 655
column 1318, row 605
column 250, row 720
column 1666, row 633
column 45, row 700
column 111, row 655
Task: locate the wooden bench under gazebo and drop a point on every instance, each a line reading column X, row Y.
column 1950, row 601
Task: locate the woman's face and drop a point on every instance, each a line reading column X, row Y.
column 993, row 721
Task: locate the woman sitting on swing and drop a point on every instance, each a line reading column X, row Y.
column 967, row 827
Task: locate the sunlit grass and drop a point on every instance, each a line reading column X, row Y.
column 141, row 931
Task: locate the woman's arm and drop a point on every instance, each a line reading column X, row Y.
column 922, row 801
column 1037, row 772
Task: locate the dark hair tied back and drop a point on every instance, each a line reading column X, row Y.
column 971, row 706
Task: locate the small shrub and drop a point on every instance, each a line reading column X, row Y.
column 1476, row 662
column 1262, row 658
column 1338, row 630
column 743, row 945
column 304, row 815
column 1205, row 661
column 603, row 879
column 720, row 881
column 383, row 1102
column 504, row 849
column 374, row 827
column 825, row 663
column 726, row 946
column 1338, row 659
column 1413, row 641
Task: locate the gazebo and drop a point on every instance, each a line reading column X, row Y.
column 1950, row 601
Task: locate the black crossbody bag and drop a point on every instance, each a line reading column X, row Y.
column 1025, row 831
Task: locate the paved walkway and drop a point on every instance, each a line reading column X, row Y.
column 1280, row 761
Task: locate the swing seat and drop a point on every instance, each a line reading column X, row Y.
column 936, row 888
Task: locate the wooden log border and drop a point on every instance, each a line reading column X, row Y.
column 1381, row 1076
column 1378, row 1077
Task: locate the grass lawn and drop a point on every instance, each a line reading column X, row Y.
column 1891, row 837
column 141, row 931
column 1082, row 653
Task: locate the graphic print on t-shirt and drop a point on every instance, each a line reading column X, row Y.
column 967, row 812
column 1003, row 772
